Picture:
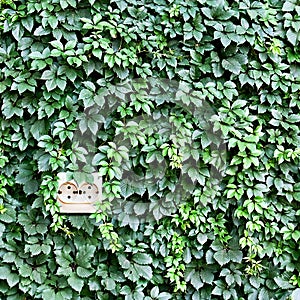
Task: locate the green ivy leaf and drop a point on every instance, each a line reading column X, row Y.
column 110, row 284
column 232, row 64
column 76, row 283
column 196, row 281
column 222, row 257
column 144, row 271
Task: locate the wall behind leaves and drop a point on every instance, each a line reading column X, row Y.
column 58, row 56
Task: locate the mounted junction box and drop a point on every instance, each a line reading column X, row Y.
column 78, row 198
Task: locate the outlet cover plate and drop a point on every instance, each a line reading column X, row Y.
column 77, row 198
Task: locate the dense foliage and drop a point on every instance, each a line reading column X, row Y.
column 237, row 240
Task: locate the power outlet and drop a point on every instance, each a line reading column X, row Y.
column 75, row 198
column 67, row 192
column 88, row 192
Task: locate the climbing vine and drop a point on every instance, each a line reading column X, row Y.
column 218, row 82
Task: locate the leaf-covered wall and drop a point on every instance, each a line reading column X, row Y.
column 58, row 57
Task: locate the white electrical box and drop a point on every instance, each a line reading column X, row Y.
column 80, row 197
